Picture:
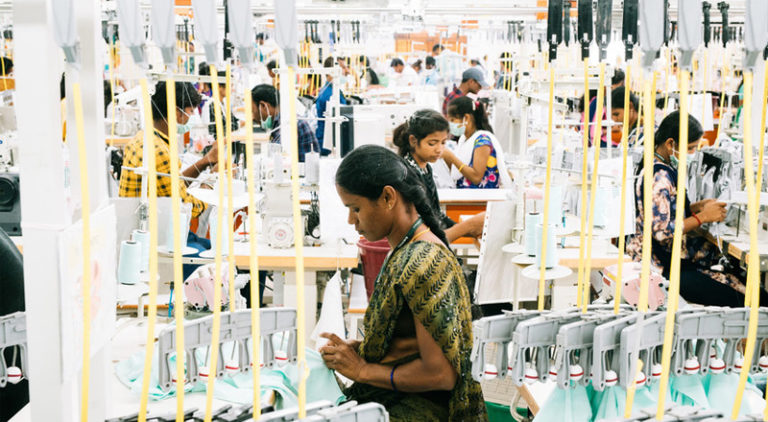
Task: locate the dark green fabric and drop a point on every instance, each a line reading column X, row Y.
column 426, row 278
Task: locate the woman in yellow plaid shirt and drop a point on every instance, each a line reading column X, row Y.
column 187, row 99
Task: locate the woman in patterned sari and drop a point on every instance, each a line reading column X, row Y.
column 415, row 358
column 700, row 283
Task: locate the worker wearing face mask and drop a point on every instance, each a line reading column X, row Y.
column 266, row 111
column 206, row 107
column 187, row 98
column 699, row 282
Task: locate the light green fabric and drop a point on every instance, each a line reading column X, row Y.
column 566, row 405
column 688, row 390
column 609, row 403
column 238, row 389
column 721, row 391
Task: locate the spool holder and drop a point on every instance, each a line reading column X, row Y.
column 235, row 327
column 13, row 332
column 497, row 329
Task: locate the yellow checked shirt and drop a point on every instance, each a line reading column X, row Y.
column 130, row 181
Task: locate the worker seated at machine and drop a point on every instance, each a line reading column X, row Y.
column 699, row 283
column 206, row 106
column 187, row 99
column 266, row 111
column 421, row 141
column 322, row 102
column 618, row 108
column 415, row 357
column 479, row 160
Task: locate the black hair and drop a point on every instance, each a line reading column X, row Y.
column 328, row 62
column 430, row 61
column 617, row 98
column 186, row 96
column 618, row 77
column 7, row 65
column 670, row 129
column 272, row 65
column 417, row 63
column 465, row 105
column 266, row 93
column 260, row 36
column 205, row 70
column 364, row 61
column 396, row 62
column 437, row 47
column 368, row 169
column 422, row 124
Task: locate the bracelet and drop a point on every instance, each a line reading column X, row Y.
column 697, row 219
column 392, row 378
column 462, row 166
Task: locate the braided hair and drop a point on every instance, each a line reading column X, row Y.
column 368, row 169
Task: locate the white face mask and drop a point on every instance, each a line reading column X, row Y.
column 457, row 129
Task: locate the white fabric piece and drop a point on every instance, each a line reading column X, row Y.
column 331, row 314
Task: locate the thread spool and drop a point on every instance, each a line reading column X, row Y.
column 532, row 221
column 738, row 363
column 531, row 375
column 656, row 370
column 692, row 366
column 611, row 378
column 142, row 237
column 129, row 265
column 232, row 367
column 490, row 372
column 214, row 234
column 716, row 365
column 312, row 167
column 183, row 230
column 281, row 357
column 551, row 246
column 640, row 379
column 202, row 372
column 14, row 374
column 577, row 372
column 762, row 363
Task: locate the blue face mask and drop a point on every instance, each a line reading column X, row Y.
column 456, row 129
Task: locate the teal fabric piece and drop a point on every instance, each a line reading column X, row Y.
column 321, row 384
column 721, row 392
column 688, row 390
column 566, row 405
column 609, row 403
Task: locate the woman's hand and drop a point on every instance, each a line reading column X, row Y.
column 696, row 207
column 712, row 212
column 342, row 357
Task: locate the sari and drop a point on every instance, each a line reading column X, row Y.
column 426, row 278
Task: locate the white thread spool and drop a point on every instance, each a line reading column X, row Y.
column 656, row 370
column 640, row 378
column 611, row 378
column 202, row 372
column 716, row 365
column 577, row 372
column 738, row 363
column 531, row 375
column 281, row 357
column 692, row 366
column 490, row 372
column 14, row 374
column 232, row 367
